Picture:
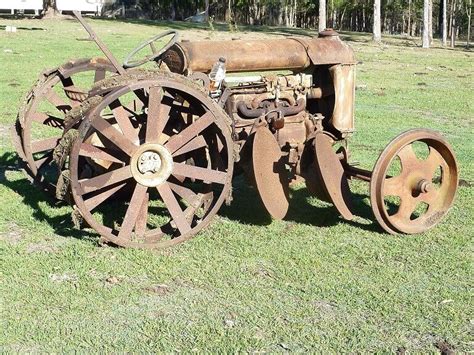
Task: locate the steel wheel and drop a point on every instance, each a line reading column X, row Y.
column 414, row 182
column 40, row 122
column 164, row 168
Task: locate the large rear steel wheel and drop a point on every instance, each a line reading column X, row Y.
column 41, row 120
column 414, row 182
column 153, row 176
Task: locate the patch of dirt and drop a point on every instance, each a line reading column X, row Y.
column 14, row 234
column 41, row 248
column 65, row 277
column 160, row 289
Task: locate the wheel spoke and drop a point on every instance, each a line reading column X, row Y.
column 186, row 194
column 133, row 211
column 158, row 115
column 104, row 180
column 407, row 157
column 194, row 144
column 394, row 186
column 173, row 207
column 48, row 120
column 94, row 152
column 199, row 173
column 406, row 208
column 43, row 145
column 140, row 225
column 123, row 120
column 99, row 75
column 57, row 101
column 96, row 200
column 433, row 161
column 112, row 134
column 183, row 137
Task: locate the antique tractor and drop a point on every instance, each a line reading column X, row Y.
column 147, row 157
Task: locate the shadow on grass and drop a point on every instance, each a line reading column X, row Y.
column 33, row 196
column 247, row 208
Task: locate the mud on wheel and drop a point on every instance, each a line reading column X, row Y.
column 414, row 182
column 153, row 163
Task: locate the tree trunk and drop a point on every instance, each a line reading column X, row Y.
column 452, row 22
column 376, row 32
column 430, row 22
column 409, row 19
column 426, row 27
column 444, row 25
column 322, row 15
column 50, row 8
column 206, row 10
column 469, row 14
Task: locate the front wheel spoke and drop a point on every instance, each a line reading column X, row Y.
column 133, row 211
column 430, row 197
column 394, row 186
column 196, row 172
column 194, row 144
column 98, row 199
column 174, row 208
column 44, row 145
column 112, row 134
column 105, row 180
column 183, row 137
column 406, row 208
column 408, row 158
column 432, row 162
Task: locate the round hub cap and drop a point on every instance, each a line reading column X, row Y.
column 151, row 165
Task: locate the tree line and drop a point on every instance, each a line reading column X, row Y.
column 445, row 19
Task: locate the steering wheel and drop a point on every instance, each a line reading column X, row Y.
column 130, row 63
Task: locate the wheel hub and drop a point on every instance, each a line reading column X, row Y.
column 149, row 162
column 151, row 165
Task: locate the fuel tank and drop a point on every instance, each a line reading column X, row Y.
column 294, row 54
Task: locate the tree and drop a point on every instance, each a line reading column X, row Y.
column 426, row 26
column 322, row 15
column 469, row 14
column 50, row 8
column 377, row 30
column 444, row 28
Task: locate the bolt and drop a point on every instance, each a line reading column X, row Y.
column 425, row 186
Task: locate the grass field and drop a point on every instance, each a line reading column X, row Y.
column 309, row 283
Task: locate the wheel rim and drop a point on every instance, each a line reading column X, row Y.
column 417, row 196
column 159, row 198
column 44, row 114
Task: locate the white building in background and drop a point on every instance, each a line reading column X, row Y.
column 36, row 6
column 24, row 5
column 94, row 6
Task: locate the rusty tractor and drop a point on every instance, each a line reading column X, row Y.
column 147, row 157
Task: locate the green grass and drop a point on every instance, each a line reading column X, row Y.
column 310, row 283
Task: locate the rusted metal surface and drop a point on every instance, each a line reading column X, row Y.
column 270, row 54
column 44, row 106
column 148, row 168
column 147, row 157
column 331, row 173
column 271, row 177
column 424, row 187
